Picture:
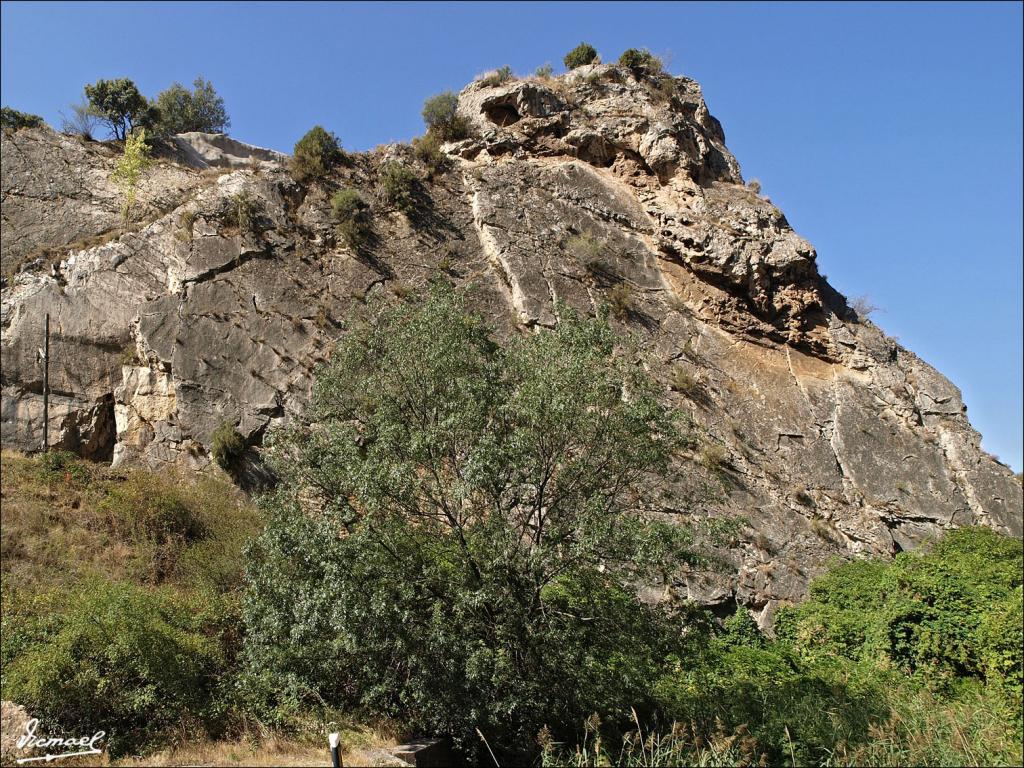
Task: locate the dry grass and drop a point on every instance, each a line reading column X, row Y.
column 358, row 748
column 713, row 456
column 684, row 382
column 621, row 301
column 68, row 519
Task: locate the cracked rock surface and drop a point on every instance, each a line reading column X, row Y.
column 822, row 435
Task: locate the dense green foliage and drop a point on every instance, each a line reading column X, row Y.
column 582, row 54
column 640, row 61
column 12, row 119
column 473, row 531
column 315, row 154
column 138, row 661
column 441, row 117
column 120, row 106
column 179, row 110
column 950, row 614
column 454, row 542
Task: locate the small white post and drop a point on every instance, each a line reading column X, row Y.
column 334, row 739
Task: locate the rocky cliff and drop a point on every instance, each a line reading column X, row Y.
column 820, row 432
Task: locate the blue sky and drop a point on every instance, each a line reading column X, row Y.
column 889, row 134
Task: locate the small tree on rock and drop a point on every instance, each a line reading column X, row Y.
column 119, row 105
column 441, row 116
column 129, row 168
column 641, row 61
column 180, row 110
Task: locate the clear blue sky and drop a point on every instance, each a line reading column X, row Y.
column 889, row 134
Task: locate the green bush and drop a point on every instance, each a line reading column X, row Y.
column 133, row 662
column 351, row 213
column 227, row 446
column 582, row 54
column 315, row 154
column 54, row 465
column 544, row 71
column 442, row 119
column 179, row 110
column 641, row 61
column 398, row 186
column 13, row 120
column 1000, row 638
column 482, row 491
column 924, row 611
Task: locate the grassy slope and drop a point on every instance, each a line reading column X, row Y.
column 66, row 522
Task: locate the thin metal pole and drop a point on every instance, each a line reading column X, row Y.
column 46, row 383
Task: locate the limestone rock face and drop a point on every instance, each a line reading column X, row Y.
column 817, row 432
column 208, row 150
column 57, row 194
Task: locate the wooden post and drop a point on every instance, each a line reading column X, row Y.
column 46, row 383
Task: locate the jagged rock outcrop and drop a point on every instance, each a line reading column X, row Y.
column 823, row 434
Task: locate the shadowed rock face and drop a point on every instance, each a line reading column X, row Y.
column 822, row 434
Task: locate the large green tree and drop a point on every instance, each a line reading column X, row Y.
column 460, row 527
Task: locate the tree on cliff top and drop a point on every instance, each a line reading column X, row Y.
column 180, row 110
column 119, row 105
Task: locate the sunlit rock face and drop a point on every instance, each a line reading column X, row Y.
column 822, row 435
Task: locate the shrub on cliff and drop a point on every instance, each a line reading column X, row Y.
column 315, row 154
column 129, row 168
column 442, row 119
column 428, row 150
column 351, row 213
column 641, row 61
column 227, row 446
column 82, row 121
column 398, row 186
column 498, row 76
column 582, row 54
column 454, row 541
column 13, row 120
